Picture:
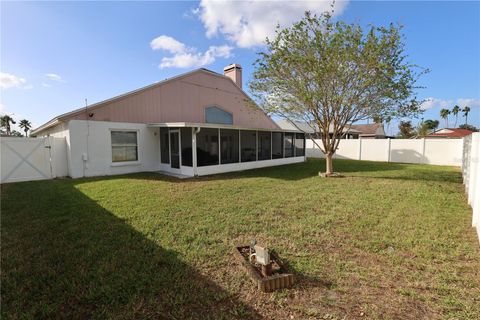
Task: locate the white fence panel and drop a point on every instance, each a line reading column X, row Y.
column 312, row 150
column 375, row 149
column 347, row 149
column 407, row 150
column 444, row 151
column 26, row 159
column 447, row 152
column 471, row 176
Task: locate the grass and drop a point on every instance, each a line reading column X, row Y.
column 389, row 241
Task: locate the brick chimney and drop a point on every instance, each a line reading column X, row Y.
column 234, row 72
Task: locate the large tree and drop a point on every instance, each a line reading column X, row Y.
column 331, row 74
column 431, row 125
column 5, row 122
column 406, row 129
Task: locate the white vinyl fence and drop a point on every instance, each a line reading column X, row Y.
column 25, row 159
column 471, row 175
column 446, row 152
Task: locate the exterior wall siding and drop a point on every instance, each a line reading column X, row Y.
column 93, row 139
column 181, row 100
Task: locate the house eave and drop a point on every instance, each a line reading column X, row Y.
column 46, row 125
column 213, row 126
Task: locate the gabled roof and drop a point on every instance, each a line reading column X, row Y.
column 373, row 129
column 450, row 133
column 67, row 115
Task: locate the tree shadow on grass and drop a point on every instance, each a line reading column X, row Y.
column 64, row 256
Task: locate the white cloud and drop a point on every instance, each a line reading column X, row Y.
column 468, row 102
column 248, row 23
column 167, row 43
column 8, row 80
column 46, row 85
column 54, row 77
column 442, row 103
column 196, row 59
column 184, row 56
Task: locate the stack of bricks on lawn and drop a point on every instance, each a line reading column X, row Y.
column 266, row 284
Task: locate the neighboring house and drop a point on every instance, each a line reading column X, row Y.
column 197, row 123
column 370, row 131
column 354, row 131
column 449, row 133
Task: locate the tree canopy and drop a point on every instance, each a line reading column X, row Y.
column 331, row 74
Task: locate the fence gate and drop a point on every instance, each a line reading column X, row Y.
column 24, row 159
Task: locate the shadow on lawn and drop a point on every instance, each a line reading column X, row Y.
column 71, row 258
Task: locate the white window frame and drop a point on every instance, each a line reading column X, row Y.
column 128, row 162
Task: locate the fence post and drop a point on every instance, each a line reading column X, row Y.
column 359, row 148
column 49, row 144
column 423, row 152
column 389, row 149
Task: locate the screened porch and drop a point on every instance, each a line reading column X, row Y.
column 200, row 149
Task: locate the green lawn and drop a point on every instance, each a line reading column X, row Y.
column 386, row 241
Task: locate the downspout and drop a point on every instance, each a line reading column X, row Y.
column 194, row 149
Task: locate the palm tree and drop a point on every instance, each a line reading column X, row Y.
column 466, row 110
column 5, row 122
column 444, row 114
column 455, row 112
column 25, row 125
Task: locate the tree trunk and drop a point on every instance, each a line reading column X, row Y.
column 329, row 163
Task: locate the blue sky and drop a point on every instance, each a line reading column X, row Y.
column 56, row 54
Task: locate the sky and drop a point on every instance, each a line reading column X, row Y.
column 54, row 55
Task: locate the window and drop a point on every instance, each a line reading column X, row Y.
column 207, row 147
column 164, row 146
column 124, row 146
column 248, row 140
column 277, row 145
column 289, row 141
column 229, row 146
column 186, row 143
column 299, row 145
column 264, row 145
column 217, row 115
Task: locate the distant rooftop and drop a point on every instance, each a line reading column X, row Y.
column 455, row 133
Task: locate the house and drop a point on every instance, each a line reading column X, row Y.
column 311, row 131
column 449, row 133
column 197, row 123
column 369, row 131
column 354, row 131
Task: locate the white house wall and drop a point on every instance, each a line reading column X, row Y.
column 93, row 139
